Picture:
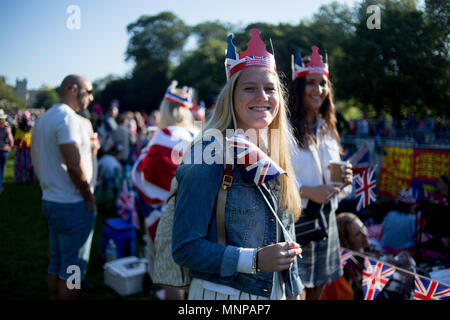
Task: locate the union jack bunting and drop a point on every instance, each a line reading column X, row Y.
column 345, row 255
column 375, row 276
column 126, row 208
column 365, row 188
column 258, row 165
column 427, row 289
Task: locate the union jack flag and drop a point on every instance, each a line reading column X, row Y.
column 365, row 188
column 375, row 276
column 126, row 208
column 427, row 289
column 345, row 255
column 360, row 160
column 259, row 166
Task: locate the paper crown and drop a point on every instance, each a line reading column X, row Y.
column 181, row 97
column 256, row 55
column 314, row 66
column 407, row 196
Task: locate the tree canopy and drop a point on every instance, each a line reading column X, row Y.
column 401, row 67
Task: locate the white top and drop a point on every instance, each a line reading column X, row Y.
column 308, row 164
column 60, row 125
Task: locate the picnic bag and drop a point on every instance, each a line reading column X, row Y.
column 165, row 271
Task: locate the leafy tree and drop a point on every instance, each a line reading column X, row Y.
column 393, row 69
column 9, row 97
column 156, row 41
column 211, row 30
column 46, row 97
column 204, row 69
column 156, row 38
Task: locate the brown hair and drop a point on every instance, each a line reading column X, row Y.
column 344, row 220
column 297, row 108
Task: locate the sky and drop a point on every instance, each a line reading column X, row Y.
column 37, row 44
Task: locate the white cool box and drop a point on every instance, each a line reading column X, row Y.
column 125, row 275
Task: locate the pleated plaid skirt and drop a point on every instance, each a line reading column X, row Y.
column 321, row 263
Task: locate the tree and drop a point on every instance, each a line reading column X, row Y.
column 393, row 69
column 155, row 43
column 9, row 98
column 46, row 97
column 204, row 69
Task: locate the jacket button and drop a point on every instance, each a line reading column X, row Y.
column 265, row 290
column 272, row 219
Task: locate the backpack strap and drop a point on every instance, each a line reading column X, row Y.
column 227, row 181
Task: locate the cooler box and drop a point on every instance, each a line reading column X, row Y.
column 125, row 275
column 124, row 235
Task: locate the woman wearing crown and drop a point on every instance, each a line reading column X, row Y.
column 314, row 125
column 257, row 259
column 158, row 161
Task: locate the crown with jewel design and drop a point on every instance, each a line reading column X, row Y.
column 314, row 66
column 256, row 55
column 181, row 97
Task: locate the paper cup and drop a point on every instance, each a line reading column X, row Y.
column 336, row 170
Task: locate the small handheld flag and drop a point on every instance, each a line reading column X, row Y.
column 260, row 166
column 365, row 188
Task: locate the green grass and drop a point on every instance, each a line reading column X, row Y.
column 24, row 247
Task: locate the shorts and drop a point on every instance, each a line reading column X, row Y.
column 71, row 227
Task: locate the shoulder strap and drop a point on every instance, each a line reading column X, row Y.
column 227, row 181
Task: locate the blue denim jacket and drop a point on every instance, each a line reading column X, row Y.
column 249, row 223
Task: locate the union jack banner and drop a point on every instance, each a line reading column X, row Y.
column 126, row 208
column 427, row 289
column 365, row 188
column 375, row 276
column 345, row 255
column 258, row 165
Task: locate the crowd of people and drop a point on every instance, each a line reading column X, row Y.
column 15, row 132
column 255, row 254
column 427, row 130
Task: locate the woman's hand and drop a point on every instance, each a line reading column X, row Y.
column 347, row 174
column 278, row 257
column 320, row 194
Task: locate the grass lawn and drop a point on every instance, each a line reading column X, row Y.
column 24, row 247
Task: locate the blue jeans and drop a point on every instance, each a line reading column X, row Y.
column 3, row 159
column 71, row 227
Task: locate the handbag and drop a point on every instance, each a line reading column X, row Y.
column 313, row 223
column 163, row 270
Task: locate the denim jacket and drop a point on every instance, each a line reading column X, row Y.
column 249, row 223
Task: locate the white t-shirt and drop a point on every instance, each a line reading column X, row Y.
column 60, row 125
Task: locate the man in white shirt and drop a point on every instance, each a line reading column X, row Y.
column 63, row 159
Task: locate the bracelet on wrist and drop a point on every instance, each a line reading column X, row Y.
column 255, row 268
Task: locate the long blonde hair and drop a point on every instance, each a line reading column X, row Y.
column 224, row 118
